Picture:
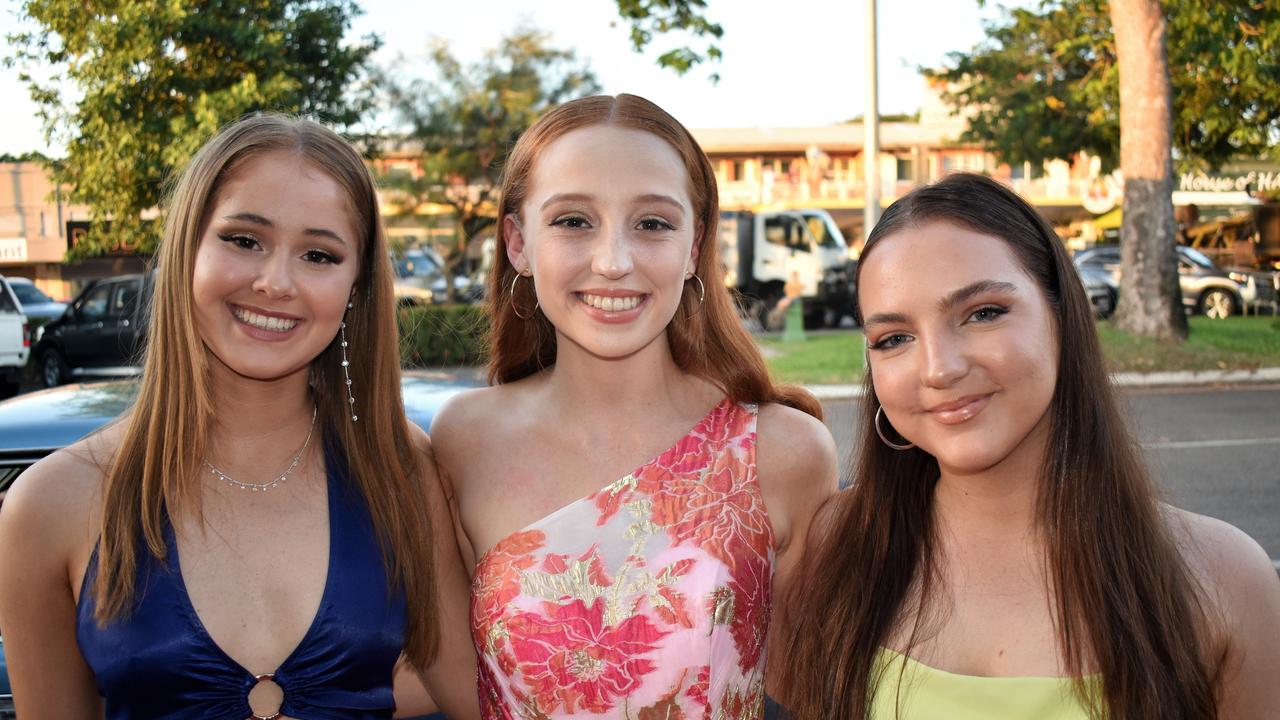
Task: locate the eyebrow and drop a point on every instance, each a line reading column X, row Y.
column 977, row 288
column 260, row 220
column 950, row 301
column 582, row 197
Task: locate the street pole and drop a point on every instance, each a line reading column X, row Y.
column 871, row 131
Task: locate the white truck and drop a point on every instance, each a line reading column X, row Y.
column 15, row 341
column 762, row 252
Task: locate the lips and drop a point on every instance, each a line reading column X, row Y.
column 961, row 410
column 270, row 323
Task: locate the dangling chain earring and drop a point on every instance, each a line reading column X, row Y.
column 515, row 308
column 887, row 441
column 346, row 366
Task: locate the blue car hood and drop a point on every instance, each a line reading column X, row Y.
column 54, row 418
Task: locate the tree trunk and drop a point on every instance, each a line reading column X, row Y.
column 1150, row 300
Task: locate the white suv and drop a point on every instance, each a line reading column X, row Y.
column 15, row 341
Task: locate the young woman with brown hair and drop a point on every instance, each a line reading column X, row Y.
column 262, row 534
column 1002, row 552
column 624, row 563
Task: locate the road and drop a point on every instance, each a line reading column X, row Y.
column 1214, row 451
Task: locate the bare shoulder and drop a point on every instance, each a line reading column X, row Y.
column 1236, row 573
column 454, row 423
column 57, row 499
column 1219, row 553
column 796, row 464
column 795, row 447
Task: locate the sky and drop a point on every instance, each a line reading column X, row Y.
column 786, row 64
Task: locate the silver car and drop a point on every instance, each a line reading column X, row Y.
column 1206, row 288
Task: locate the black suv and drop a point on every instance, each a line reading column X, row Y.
column 101, row 333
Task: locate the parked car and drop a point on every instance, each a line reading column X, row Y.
column 421, row 270
column 101, row 333
column 38, row 307
column 36, row 424
column 15, row 340
column 1098, row 286
column 1206, row 288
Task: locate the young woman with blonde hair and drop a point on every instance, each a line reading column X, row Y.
column 262, row 534
column 632, row 486
column 1002, row 552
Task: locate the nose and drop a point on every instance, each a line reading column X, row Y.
column 275, row 277
column 944, row 361
column 612, row 257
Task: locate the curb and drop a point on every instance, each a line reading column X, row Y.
column 1202, row 378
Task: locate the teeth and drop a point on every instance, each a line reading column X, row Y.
column 264, row 322
column 611, row 304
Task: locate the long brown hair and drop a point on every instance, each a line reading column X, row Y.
column 154, row 473
column 707, row 341
column 1126, row 604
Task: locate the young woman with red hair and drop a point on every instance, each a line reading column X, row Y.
column 632, row 486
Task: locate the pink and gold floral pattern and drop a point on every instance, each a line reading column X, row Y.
column 649, row 598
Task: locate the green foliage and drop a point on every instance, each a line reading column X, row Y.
column 436, row 336
column 464, row 121
column 139, row 86
column 1044, row 82
column 656, row 17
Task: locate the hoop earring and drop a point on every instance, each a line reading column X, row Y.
column 702, row 289
column 886, row 440
column 346, row 365
column 515, row 309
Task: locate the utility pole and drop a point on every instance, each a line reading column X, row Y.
column 871, row 131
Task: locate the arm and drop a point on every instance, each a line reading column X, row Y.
column 796, row 463
column 450, row 681
column 45, row 517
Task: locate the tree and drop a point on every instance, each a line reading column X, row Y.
column 1150, row 301
column 464, row 121
column 650, row 17
column 148, row 81
column 1197, row 79
column 1045, row 82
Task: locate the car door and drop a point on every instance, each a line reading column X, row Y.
column 123, row 327
column 82, row 335
column 787, row 253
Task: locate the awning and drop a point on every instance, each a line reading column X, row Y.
column 1109, row 220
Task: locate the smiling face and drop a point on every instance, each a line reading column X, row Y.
column 608, row 233
column 277, row 259
column 962, row 344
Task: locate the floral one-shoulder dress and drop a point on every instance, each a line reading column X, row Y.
column 649, row 598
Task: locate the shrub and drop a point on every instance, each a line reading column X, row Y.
column 442, row 335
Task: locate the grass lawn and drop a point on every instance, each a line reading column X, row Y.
column 1232, row 344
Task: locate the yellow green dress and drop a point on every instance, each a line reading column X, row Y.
column 910, row 690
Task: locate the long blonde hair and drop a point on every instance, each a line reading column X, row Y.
column 154, row 473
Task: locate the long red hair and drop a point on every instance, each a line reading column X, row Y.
column 707, row 341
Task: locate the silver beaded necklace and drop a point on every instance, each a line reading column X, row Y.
column 270, row 483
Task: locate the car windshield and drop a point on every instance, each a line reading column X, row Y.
column 1197, row 257
column 1104, row 256
column 30, row 294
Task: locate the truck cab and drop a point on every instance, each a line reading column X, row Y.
column 765, row 252
column 15, row 341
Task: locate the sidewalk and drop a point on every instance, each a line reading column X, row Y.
column 1203, row 378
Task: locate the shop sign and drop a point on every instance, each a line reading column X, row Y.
column 13, row 250
column 1256, row 181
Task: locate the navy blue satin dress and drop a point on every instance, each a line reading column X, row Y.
column 160, row 662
